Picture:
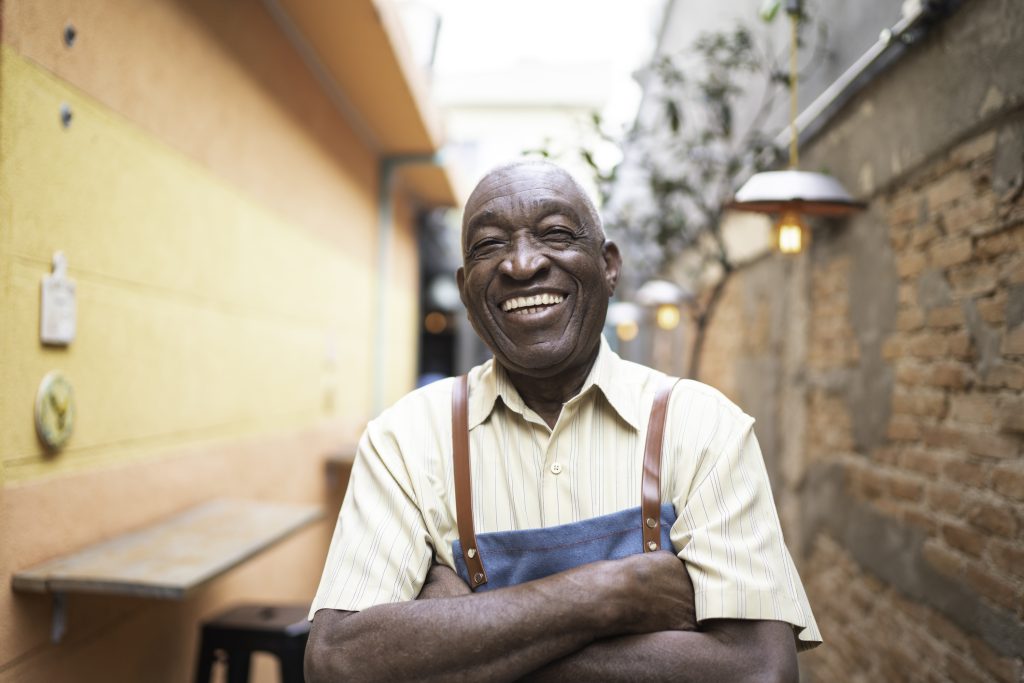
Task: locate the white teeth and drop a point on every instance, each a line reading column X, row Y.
column 532, row 301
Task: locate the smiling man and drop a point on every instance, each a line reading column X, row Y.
column 559, row 512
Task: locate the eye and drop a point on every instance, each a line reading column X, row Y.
column 484, row 247
column 559, row 234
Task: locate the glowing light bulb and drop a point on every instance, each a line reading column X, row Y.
column 627, row 330
column 790, row 233
column 435, row 322
column 667, row 316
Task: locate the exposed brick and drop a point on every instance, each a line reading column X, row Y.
column 1003, row 669
column 992, row 518
column 1008, row 558
column 950, row 252
column 991, row 445
column 973, row 279
column 903, row 211
column 906, row 489
column 1005, row 242
column 961, row 345
column 966, row 472
column 922, row 519
column 976, row 147
column 964, row 538
column 949, row 188
column 926, row 462
column 906, row 294
column 911, row 373
column 949, row 375
column 946, row 316
column 888, row 455
column 928, row 345
column 995, row 588
column 894, row 347
column 975, row 408
column 992, row 309
column 946, row 499
column 1008, row 481
column 910, row 264
column 909, row 319
column 903, row 428
column 974, row 217
column 922, row 402
column 946, row 561
column 1013, row 342
column 924, row 234
column 1004, row 376
column 900, row 236
column 962, row 670
column 1011, row 414
column 1011, row 271
column 946, row 631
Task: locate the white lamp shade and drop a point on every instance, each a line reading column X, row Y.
column 815, row 194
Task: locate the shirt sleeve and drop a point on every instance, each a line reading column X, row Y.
column 380, row 551
column 732, row 542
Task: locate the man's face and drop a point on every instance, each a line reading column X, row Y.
column 537, row 273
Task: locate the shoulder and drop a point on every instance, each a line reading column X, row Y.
column 696, row 407
column 424, row 409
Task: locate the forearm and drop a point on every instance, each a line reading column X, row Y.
column 728, row 651
column 497, row 635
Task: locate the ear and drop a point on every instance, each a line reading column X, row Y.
column 460, row 279
column 612, row 265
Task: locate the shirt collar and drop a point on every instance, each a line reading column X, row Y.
column 609, row 375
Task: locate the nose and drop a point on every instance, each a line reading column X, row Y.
column 525, row 259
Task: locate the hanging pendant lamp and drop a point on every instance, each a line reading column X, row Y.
column 792, row 193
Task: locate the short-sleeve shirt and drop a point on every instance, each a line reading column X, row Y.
column 399, row 510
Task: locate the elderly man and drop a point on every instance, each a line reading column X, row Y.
column 523, row 531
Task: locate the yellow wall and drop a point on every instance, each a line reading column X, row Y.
column 220, row 220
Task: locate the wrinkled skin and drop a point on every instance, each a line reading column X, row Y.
column 529, row 230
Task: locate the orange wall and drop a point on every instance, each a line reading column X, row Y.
column 220, row 220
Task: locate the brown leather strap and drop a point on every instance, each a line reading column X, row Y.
column 650, row 491
column 464, row 484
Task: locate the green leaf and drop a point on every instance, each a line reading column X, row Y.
column 769, row 8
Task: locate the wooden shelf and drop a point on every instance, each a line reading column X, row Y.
column 173, row 557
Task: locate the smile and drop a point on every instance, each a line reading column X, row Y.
column 531, row 304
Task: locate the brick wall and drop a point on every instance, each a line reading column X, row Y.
column 950, row 462
column 898, row 447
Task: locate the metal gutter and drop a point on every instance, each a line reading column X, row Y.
column 893, row 43
column 385, row 232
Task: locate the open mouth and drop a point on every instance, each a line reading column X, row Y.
column 524, row 305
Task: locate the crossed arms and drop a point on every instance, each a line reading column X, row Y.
column 617, row 620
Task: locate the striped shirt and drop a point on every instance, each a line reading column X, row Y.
column 399, row 510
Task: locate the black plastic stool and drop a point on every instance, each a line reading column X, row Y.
column 281, row 630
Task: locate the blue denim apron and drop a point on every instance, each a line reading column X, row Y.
column 514, row 557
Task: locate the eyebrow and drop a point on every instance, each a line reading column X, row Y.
column 541, row 209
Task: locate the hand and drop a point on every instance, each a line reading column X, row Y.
column 442, row 582
column 656, row 591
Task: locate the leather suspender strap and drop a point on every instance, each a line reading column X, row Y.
column 464, row 484
column 650, row 492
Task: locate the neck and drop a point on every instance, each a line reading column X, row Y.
column 546, row 395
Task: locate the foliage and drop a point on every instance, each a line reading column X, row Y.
column 682, row 162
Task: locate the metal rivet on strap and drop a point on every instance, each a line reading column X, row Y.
column 651, row 522
column 471, row 553
column 478, row 577
column 651, row 545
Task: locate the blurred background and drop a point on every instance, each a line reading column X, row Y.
column 228, row 233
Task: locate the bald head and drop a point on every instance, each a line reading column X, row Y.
column 524, row 175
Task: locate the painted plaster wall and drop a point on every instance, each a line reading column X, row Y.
column 219, row 218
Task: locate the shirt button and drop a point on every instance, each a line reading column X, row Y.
column 556, row 468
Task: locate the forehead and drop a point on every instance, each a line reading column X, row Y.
column 508, row 193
